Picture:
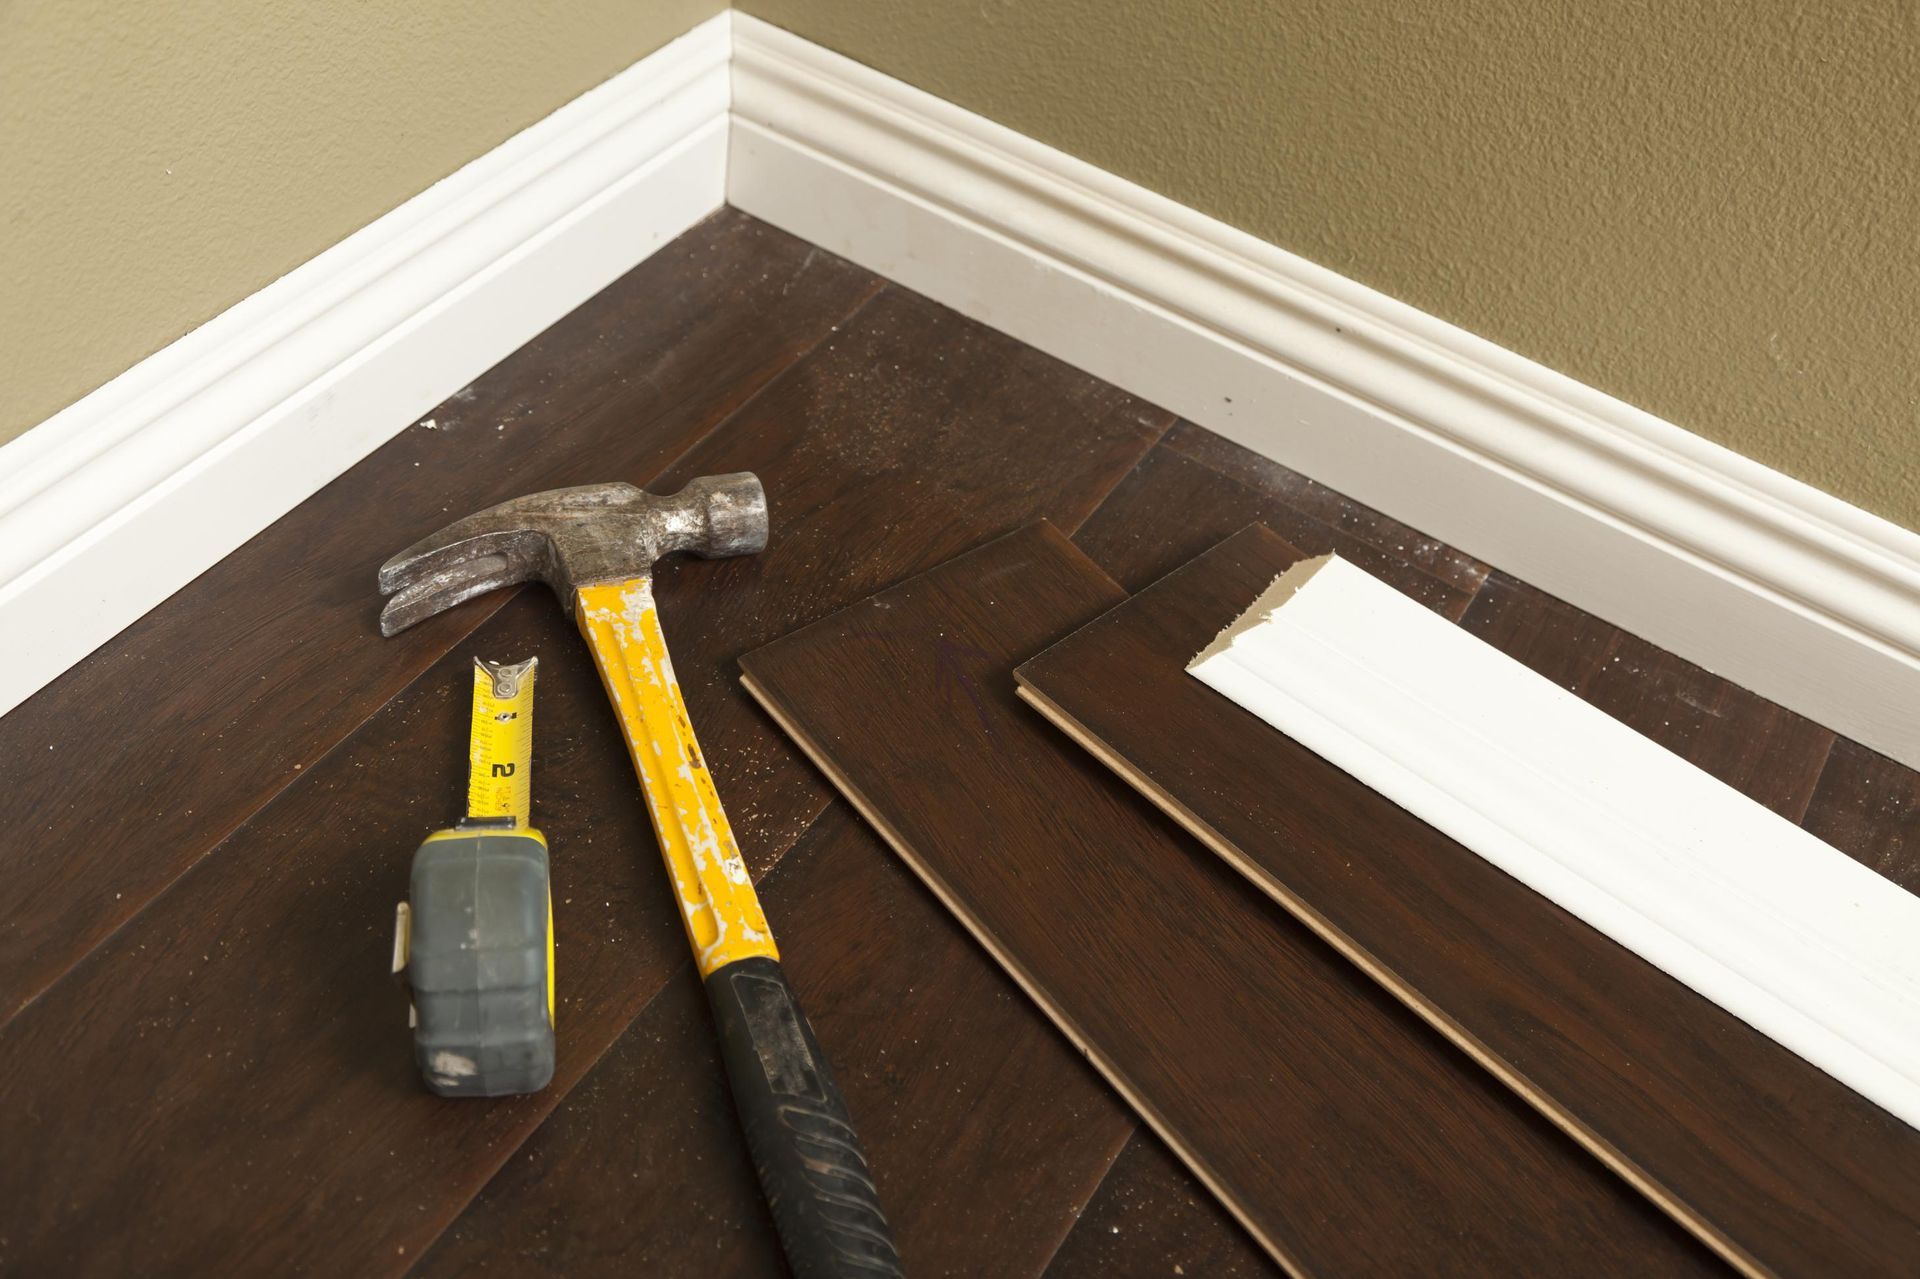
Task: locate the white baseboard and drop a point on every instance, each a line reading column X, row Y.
column 1771, row 583
column 1803, row 943
column 122, row 498
column 117, row 501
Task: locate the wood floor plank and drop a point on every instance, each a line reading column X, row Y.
column 1171, row 508
column 265, row 661
column 1151, row 1217
column 1335, row 509
column 223, row 1081
column 1781, row 1166
column 1345, row 1133
column 1868, row 807
column 986, row 1132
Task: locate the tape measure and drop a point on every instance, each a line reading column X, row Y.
column 500, row 742
column 475, row 939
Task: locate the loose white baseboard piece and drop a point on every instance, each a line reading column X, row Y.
column 1761, row 579
column 1793, row 937
column 125, row 496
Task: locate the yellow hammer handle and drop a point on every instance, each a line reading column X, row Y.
column 805, row 1151
column 717, row 902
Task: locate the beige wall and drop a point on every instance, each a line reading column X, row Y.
column 1711, row 210
column 159, row 162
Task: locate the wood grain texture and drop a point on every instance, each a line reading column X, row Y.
column 1171, row 508
column 271, row 657
column 1301, row 1094
column 224, row 1079
column 1868, row 807
column 986, row 1132
column 1777, row 1164
column 1152, row 1218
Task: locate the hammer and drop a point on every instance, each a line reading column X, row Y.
column 595, row 546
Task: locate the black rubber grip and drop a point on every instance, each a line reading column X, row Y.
column 803, row 1145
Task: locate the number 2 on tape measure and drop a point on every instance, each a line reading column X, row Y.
column 500, row 748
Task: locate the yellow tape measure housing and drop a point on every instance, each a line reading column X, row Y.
column 500, row 742
column 475, row 939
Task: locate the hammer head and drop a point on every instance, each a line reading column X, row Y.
column 570, row 537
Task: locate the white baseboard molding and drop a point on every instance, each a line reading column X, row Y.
column 125, row 496
column 1761, row 579
column 1804, row 944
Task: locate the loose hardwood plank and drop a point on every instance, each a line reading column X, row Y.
column 986, row 1132
column 1868, row 807
column 1152, row 1218
column 1780, row 1167
column 1345, row 1134
column 1330, row 507
column 876, row 460
column 1170, row 509
column 269, row 658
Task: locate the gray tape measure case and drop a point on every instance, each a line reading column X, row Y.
column 474, row 943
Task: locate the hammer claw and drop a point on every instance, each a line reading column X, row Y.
column 422, row 600
column 486, row 533
column 568, row 537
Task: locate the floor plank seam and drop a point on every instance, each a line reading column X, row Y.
column 1120, row 483
column 1479, row 600
column 1152, row 446
column 1473, row 599
column 880, row 285
column 1812, row 805
column 1093, row 1192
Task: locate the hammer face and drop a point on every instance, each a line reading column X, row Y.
column 570, row 537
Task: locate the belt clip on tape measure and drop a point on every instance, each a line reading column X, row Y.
column 475, row 942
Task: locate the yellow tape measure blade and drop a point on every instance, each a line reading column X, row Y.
column 500, row 741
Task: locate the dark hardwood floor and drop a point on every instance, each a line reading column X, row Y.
column 204, row 1067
